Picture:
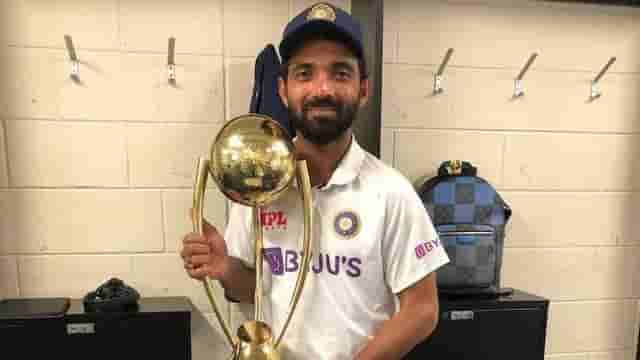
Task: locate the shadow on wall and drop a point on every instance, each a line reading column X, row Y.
column 4, row 31
column 8, row 287
column 635, row 210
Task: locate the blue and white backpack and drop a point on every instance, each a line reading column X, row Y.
column 470, row 218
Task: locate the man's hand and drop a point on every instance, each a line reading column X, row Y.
column 205, row 255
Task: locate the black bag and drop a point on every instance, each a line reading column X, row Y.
column 112, row 296
column 470, row 218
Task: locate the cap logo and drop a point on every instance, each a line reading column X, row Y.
column 322, row 12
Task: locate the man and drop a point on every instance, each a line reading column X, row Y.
column 371, row 291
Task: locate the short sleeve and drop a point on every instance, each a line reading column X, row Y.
column 238, row 234
column 411, row 246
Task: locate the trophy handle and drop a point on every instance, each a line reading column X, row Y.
column 198, row 223
column 259, row 250
column 302, row 177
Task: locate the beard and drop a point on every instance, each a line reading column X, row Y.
column 323, row 129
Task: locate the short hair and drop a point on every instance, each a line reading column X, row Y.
column 330, row 36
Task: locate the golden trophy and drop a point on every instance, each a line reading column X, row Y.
column 253, row 162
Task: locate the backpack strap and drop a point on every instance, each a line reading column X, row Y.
column 446, row 169
column 507, row 210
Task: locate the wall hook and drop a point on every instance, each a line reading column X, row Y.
column 437, row 80
column 595, row 93
column 75, row 64
column 518, row 89
column 171, row 64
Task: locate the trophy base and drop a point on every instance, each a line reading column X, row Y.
column 256, row 342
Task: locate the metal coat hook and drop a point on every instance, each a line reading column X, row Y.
column 171, row 64
column 518, row 90
column 595, row 93
column 75, row 64
column 437, row 81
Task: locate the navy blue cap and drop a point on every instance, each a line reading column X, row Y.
column 322, row 18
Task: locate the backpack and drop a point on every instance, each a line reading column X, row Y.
column 264, row 98
column 470, row 217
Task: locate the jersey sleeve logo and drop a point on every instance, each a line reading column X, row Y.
column 426, row 247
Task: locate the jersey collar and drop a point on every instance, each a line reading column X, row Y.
column 349, row 168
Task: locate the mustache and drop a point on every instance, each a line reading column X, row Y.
column 320, row 102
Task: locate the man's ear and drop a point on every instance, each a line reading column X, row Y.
column 365, row 90
column 282, row 91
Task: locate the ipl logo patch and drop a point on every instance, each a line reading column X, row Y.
column 347, row 224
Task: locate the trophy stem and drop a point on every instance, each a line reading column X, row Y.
column 257, row 226
column 223, row 324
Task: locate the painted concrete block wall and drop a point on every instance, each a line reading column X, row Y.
column 568, row 167
column 96, row 175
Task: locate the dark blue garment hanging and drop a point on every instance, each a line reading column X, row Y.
column 265, row 99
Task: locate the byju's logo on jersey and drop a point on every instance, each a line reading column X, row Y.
column 426, row 247
column 274, row 259
column 273, row 220
column 281, row 262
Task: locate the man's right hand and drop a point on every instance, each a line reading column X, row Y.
column 205, row 255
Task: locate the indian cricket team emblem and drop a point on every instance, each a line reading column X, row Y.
column 347, row 224
column 322, row 12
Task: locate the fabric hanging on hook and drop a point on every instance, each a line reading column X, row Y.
column 265, row 99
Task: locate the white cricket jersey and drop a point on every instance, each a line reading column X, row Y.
column 372, row 239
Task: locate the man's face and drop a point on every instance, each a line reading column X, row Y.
column 323, row 91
